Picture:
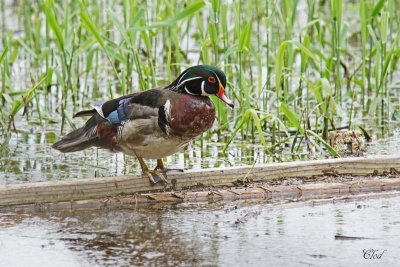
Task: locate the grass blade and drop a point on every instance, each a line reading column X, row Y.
column 89, row 25
column 244, row 39
column 190, row 10
column 377, row 8
column 53, row 22
column 292, row 117
column 327, row 146
column 249, row 114
column 3, row 55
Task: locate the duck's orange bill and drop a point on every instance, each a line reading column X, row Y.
column 221, row 95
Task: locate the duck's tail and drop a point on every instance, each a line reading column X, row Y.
column 81, row 138
column 74, row 141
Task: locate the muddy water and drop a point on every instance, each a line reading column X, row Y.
column 207, row 234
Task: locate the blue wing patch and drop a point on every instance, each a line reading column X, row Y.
column 113, row 117
column 120, row 114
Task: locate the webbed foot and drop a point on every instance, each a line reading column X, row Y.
column 155, row 176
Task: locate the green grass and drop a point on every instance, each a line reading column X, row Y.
column 295, row 70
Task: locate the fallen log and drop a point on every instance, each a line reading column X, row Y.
column 38, row 193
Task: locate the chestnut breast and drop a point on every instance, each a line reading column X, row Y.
column 190, row 116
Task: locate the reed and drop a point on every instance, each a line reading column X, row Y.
column 332, row 63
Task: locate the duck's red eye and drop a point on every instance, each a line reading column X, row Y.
column 211, row 79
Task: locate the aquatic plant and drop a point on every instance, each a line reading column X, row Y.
column 295, row 69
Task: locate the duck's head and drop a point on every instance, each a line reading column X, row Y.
column 203, row 80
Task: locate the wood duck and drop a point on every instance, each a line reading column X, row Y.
column 155, row 123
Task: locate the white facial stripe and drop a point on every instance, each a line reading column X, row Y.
column 185, row 81
column 181, row 78
column 187, row 91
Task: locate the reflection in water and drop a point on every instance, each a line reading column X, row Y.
column 126, row 237
column 206, row 234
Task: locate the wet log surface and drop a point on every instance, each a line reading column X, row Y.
column 291, row 179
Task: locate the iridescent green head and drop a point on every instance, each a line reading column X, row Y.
column 203, row 80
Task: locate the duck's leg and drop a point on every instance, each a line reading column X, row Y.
column 160, row 166
column 154, row 176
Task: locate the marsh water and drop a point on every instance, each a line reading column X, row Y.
column 239, row 233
